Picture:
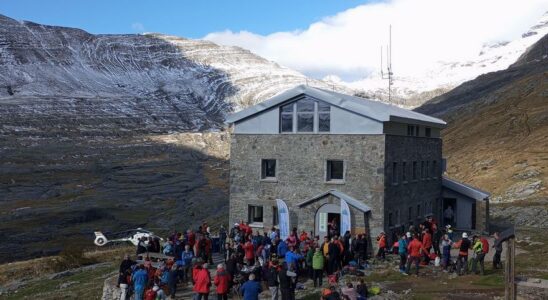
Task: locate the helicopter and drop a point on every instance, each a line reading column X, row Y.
column 133, row 236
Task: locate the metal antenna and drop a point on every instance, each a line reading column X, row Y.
column 389, row 73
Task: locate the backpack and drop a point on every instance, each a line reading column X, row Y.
column 485, row 245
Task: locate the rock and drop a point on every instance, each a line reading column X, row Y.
column 65, row 285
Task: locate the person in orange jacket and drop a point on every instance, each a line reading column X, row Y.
column 381, row 240
column 414, row 249
column 304, row 236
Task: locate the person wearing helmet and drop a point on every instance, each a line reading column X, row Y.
column 463, row 245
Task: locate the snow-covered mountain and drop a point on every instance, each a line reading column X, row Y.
column 69, row 80
column 412, row 91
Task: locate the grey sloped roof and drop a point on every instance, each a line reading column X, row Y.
column 464, row 189
column 350, row 200
column 380, row 111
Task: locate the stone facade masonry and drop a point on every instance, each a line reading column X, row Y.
column 300, row 175
column 422, row 195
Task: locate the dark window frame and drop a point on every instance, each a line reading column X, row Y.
column 265, row 168
column 252, row 217
column 329, row 170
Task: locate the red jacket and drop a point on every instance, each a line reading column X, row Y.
column 222, row 281
column 150, row 295
column 202, row 281
column 414, row 248
column 248, row 248
column 427, row 240
column 382, row 241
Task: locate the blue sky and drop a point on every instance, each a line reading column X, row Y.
column 192, row 19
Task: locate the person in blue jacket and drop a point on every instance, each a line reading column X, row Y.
column 292, row 258
column 402, row 250
column 251, row 289
column 282, row 249
column 139, row 279
column 186, row 262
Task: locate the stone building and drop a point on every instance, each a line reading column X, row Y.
column 312, row 147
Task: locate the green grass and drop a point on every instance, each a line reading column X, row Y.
column 494, row 280
column 88, row 286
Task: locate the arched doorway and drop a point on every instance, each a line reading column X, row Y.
column 327, row 213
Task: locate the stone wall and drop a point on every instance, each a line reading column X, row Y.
column 481, row 212
column 300, row 173
column 402, row 195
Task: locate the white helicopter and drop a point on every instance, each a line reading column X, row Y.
column 133, row 236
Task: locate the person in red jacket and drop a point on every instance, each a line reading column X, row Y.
column 381, row 240
column 249, row 252
column 427, row 245
column 222, row 282
column 202, row 282
column 414, row 249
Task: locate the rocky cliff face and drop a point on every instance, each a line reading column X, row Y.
column 96, row 131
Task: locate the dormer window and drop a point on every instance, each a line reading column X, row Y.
column 305, row 116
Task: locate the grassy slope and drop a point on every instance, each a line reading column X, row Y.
column 491, row 146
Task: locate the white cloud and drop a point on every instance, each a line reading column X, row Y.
column 138, row 27
column 423, row 32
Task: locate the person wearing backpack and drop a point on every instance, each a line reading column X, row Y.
column 462, row 261
column 479, row 256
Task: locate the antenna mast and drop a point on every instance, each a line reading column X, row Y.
column 389, row 74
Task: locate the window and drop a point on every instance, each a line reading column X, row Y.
column 418, row 210
column 410, row 130
column 434, row 169
column 255, row 214
column 422, row 170
column 410, row 213
column 395, row 172
column 286, row 118
column 305, row 115
column 404, row 171
column 427, row 169
column 335, row 170
column 275, row 216
column 268, row 168
column 397, row 218
column 414, row 170
column 324, row 117
column 427, row 131
column 417, row 130
column 390, row 220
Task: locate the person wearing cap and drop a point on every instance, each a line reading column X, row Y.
column 449, row 230
column 222, row 282
column 402, row 251
column 462, row 261
column 251, row 289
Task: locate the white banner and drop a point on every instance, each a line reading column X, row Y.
column 345, row 217
column 283, row 219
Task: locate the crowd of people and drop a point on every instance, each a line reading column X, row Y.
column 253, row 261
